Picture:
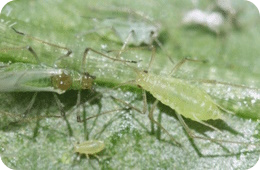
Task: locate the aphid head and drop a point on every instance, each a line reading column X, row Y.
column 62, row 81
column 87, row 81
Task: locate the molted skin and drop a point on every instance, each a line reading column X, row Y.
column 185, row 99
column 90, row 147
column 34, row 78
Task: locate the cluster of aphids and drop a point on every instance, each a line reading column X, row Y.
column 187, row 100
column 39, row 77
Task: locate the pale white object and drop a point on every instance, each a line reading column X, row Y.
column 212, row 20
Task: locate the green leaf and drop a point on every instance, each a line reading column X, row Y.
column 38, row 142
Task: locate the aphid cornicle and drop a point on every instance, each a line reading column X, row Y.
column 90, row 147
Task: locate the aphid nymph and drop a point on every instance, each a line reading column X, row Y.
column 90, row 147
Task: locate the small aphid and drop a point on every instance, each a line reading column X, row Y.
column 90, row 147
column 129, row 27
column 135, row 28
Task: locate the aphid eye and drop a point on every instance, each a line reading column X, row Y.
column 62, row 81
column 87, row 81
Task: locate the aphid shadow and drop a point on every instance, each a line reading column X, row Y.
column 43, row 107
column 16, row 104
column 163, row 38
column 199, row 29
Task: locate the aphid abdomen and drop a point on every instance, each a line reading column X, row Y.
column 90, row 147
column 185, row 99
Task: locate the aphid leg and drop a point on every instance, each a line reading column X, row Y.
column 78, row 105
column 83, row 67
column 178, row 65
column 103, row 113
column 61, row 108
column 192, row 135
column 153, row 48
column 69, row 51
column 162, row 48
column 150, row 47
column 104, row 55
column 150, row 115
column 153, row 107
column 125, row 43
column 96, row 156
column 97, row 96
column 144, row 101
column 28, row 108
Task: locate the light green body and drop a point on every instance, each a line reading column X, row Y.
column 187, row 100
column 90, row 147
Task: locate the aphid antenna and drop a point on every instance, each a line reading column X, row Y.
column 69, row 51
column 183, row 61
